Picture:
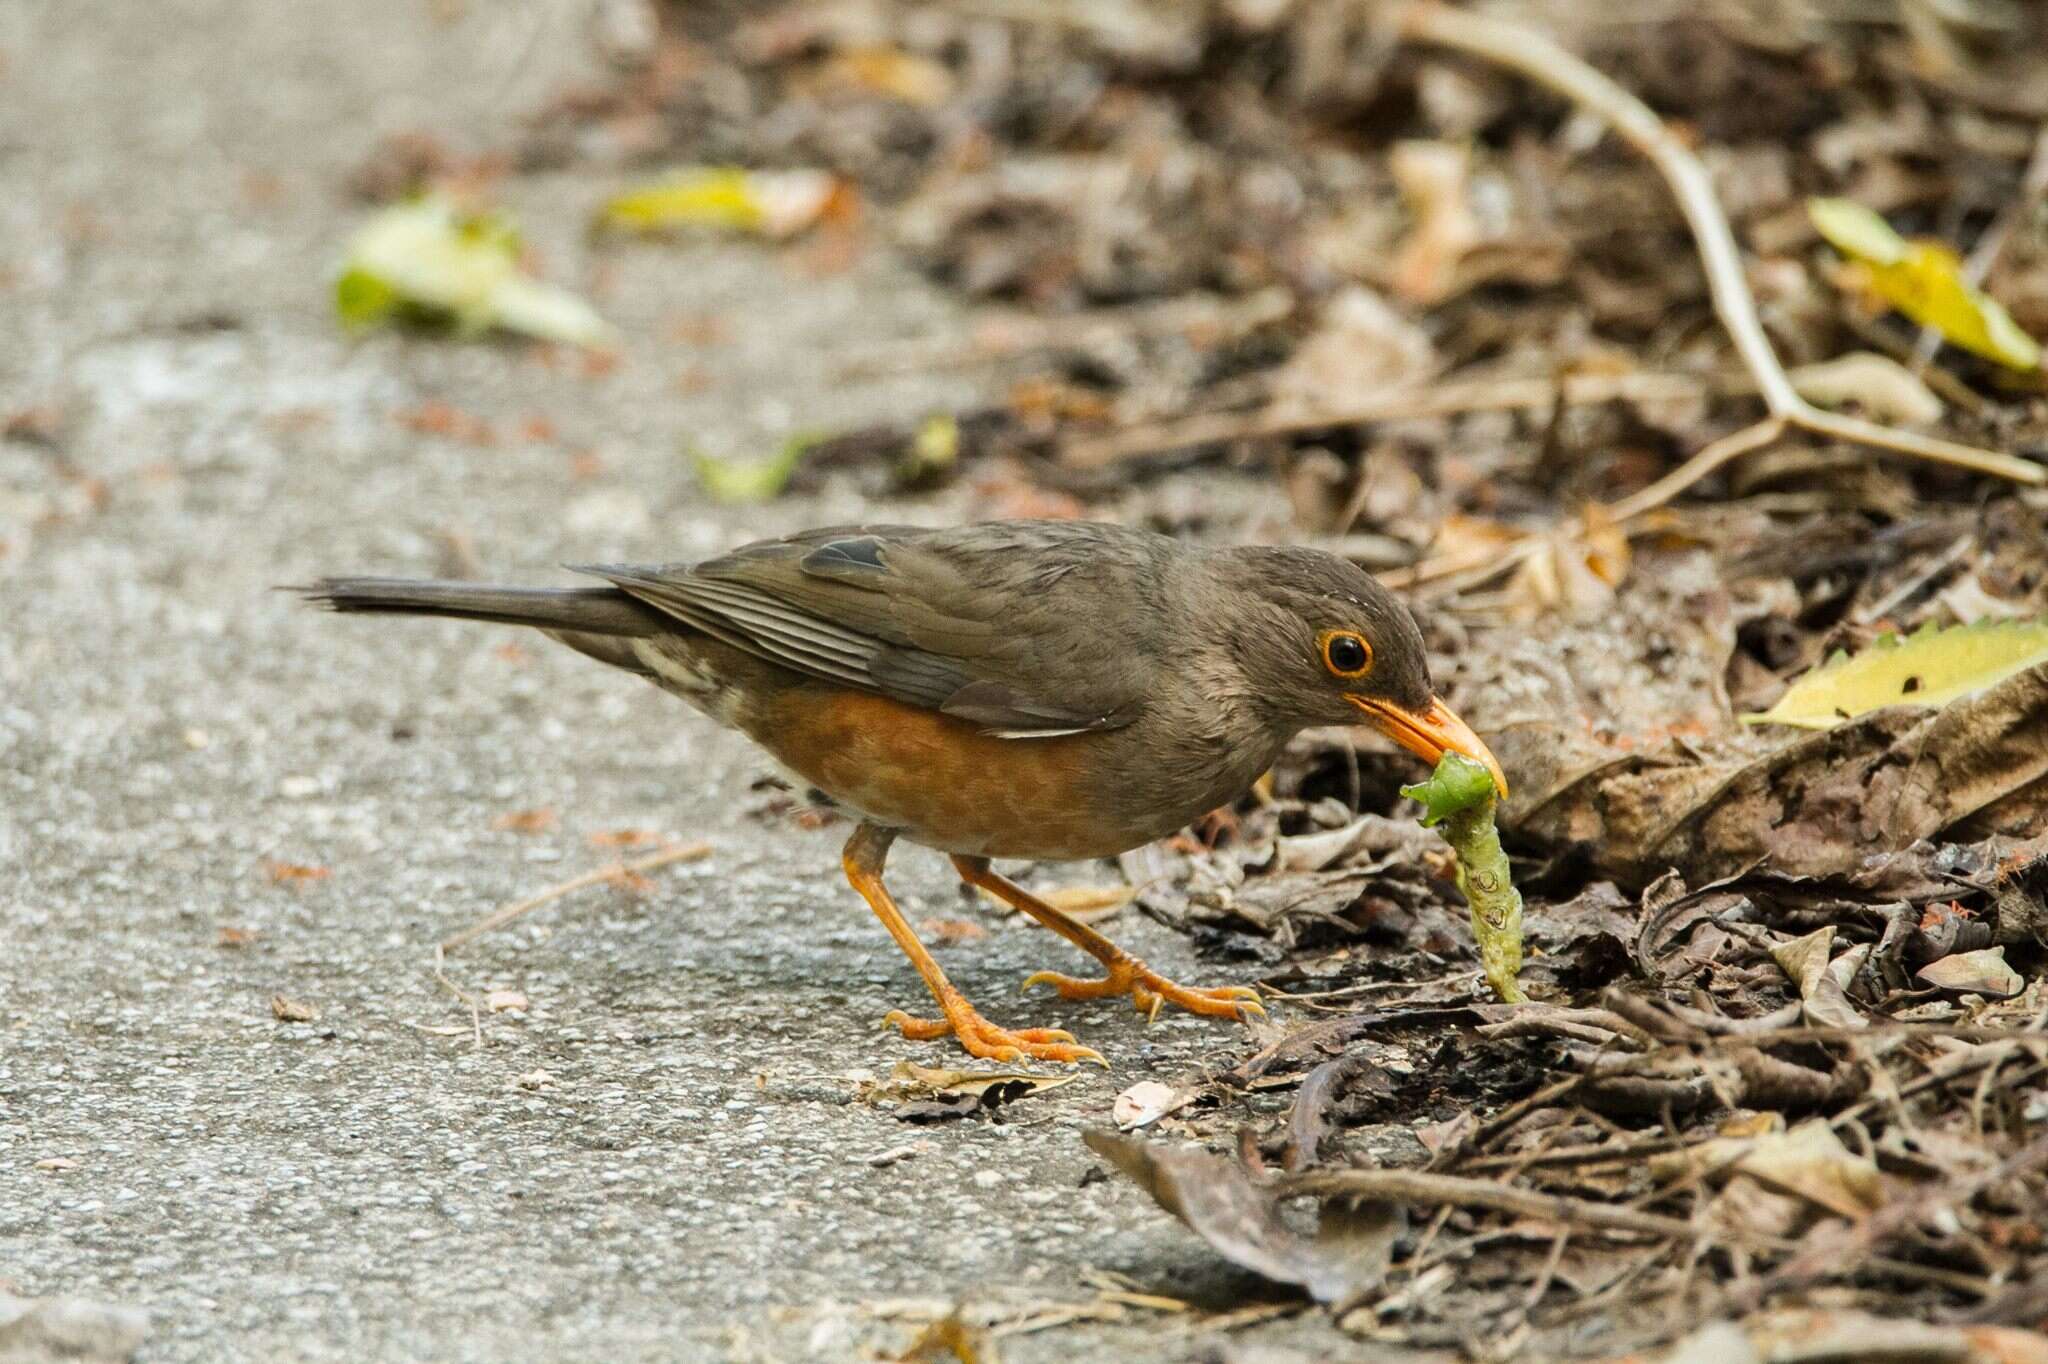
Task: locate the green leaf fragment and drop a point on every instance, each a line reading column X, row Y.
column 1460, row 796
column 363, row 300
column 462, row 269
column 750, row 480
column 1930, row 667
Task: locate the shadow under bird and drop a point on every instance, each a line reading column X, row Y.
column 1028, row 689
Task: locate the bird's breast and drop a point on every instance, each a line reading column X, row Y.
column 948, row 785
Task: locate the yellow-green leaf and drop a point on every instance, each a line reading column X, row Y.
column 774, row 204
column 1930, row 667
column 425, row 258
column 750, row 480
column 933, row 454
column 363, row 300
column 1855, row 231
column 1925, row 281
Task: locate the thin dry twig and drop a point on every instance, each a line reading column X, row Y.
column 1524, row 50
column 1433, row 1190
column 1452, row 398
column 1888, row 1221
column 498, row 918
column 476, row 1010
column 1529, row 53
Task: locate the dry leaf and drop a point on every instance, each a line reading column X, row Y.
column 1242, row 1222
column 505, row 1001
column 1808, row 1162
column 886, row 70
column 231, row 936
column 449, row 422
column 1577, row 569
column 1433, row 178
column 293, row 873
column 1880, row 385
column 525, row 821
column 56, row 1164
column 1811, row 1162
column 1143, row 1103
column 1805, row 960
column 1360, row 344
column 1930, row 667
column 623, row 838
column 1983, row 972
column 950, row 1338
column 928, row 1094
column 286, row 1010
column 1820, row 805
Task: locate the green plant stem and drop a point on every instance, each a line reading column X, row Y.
column 1496, row 904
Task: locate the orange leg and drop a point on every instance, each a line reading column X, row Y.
column 863, row 858
column 1127, row 975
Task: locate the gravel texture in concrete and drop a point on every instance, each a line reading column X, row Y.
column 656, row 1158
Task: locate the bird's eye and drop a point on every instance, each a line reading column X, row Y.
column 1346, row 654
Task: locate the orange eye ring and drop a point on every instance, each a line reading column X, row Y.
column 1346, row 653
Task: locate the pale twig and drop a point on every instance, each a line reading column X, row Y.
column 1433, row 1190
column 1523, row 50
column 1451, row 398
column 498, row 918
column 476, row 1012
column 1528, row 52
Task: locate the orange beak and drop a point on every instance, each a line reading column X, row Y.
column 1431, row 734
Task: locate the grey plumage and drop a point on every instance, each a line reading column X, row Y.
column 593, row 610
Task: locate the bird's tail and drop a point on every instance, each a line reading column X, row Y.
column 578, row 610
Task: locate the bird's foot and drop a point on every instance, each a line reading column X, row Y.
column 1150, row 991
column 984, row 1039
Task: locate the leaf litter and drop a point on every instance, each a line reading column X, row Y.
column 1286, row 271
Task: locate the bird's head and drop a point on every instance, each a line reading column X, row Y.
column 1325, row 644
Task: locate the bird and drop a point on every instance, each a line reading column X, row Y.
column 1031, row 689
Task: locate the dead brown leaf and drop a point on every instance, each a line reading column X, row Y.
column 623, row 838
column 448, row 422
column 287, row 1010
column 950, row 1338
column 1241, row 1221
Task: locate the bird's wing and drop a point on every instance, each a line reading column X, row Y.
column 1001, row 624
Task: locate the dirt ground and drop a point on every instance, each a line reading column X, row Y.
column 690, row 1181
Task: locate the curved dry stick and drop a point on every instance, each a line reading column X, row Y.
column 1526, row 51
column 498, row 918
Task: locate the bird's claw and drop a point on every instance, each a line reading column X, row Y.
column 984, row 1039
column 1150, row 991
